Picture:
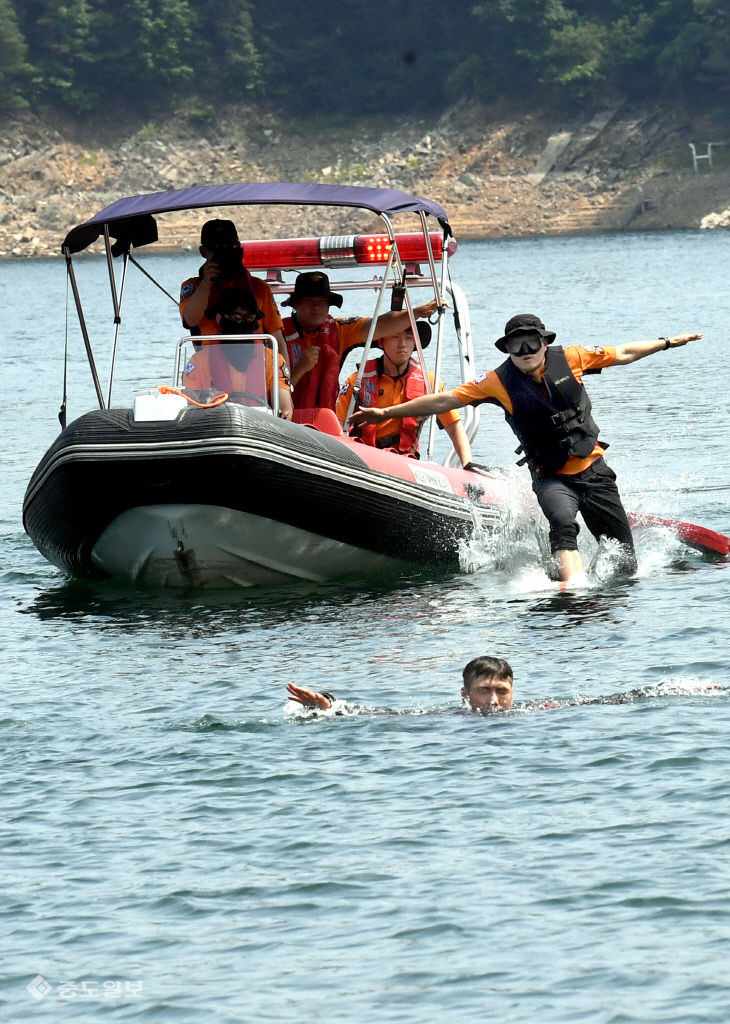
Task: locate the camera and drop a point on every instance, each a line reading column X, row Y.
column 229, row 259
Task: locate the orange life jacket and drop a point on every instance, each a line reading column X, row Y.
column 318, row 388
column 410, row 426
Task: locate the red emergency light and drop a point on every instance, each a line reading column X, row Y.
column 340, row 251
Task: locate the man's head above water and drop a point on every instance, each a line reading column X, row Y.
column 488, row 684
column 487, row 688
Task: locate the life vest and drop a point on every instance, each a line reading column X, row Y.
column 210, row 368
column 319, row 387
column 552, row 418
column 406, row 441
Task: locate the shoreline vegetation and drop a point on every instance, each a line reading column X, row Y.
column 498, row 172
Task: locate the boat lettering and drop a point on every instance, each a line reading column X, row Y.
column 430, row 478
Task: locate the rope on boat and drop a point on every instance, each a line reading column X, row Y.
column 218, row 400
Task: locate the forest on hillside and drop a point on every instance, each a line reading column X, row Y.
column 339, row 58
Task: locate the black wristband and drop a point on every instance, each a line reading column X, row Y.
column 667, row 342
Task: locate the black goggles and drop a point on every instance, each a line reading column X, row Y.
column 527, row 343
column 242, row 318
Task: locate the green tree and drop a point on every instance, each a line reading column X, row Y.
column 58, row 42
column 142, row 49
column 227, row 61
column 337, row 57
column 659, row 47
column 14, row 70
column 518, row 35
column 713, row 74
column 574, row 61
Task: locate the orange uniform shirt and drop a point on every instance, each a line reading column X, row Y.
column 197, row 373
column 489, row 387
column 262, row 294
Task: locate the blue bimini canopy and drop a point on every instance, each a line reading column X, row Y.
column 131, row 221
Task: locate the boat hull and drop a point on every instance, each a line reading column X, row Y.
column 206, row 546
column 232, row 496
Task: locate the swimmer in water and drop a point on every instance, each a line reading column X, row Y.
column 487, row 688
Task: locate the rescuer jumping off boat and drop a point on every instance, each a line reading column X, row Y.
column 541, row 392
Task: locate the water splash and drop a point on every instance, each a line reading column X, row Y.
column 519, row 553
column 682, row 686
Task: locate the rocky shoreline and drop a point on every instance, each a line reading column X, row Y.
column 497, row 173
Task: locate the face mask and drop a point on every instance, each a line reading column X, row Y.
column 239, row 354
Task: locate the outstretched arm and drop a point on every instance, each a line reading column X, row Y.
column 396, row 321
column 309, row 698
column 634, row 350
column 424, row 405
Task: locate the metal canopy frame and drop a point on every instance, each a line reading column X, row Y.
column 131, row 223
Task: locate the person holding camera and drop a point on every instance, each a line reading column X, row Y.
column 224, row 269
column 233, row 368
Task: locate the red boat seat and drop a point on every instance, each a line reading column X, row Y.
column 323, row 420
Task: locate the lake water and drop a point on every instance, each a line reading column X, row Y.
column 179, row 847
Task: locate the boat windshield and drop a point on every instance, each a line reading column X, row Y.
column 239, row 366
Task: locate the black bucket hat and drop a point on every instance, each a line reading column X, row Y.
column 524, row 323
column 313, row 285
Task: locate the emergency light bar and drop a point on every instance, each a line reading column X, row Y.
column 340, row 251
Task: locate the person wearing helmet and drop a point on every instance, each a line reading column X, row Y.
column 391, row 379
column 540, row 389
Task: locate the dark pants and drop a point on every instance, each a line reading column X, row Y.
column 595, row 495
